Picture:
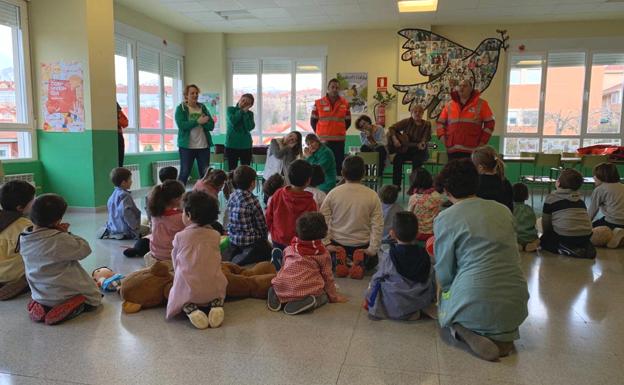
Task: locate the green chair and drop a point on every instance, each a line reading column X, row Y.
column 258, row 160
column 218, row 160
column 541, row 163
column 371, row 162
column 588, row 162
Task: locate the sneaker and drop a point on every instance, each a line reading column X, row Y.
column 616, row 239
column 130, row 252
column 532, row 246
column 300, row 306
column 198, row 318
column 342, row 270
column 273, row 302
column 215, row 316
column 66, row 310
column 276, row 258
column 102, row 233
column 36, row 311
column 482, row 346
column 357, row 269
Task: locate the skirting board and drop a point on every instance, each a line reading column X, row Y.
column 78, row 209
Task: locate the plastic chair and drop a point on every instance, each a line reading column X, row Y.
column 218, row 160
column 371, row 162
column 542, row 161
column 256, row 161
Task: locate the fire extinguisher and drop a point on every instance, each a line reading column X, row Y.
column 380, row 114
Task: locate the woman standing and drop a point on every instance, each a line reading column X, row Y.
column 122, row 122
column 318, row 153
column 282, row 152
column 373, row 139
column 484, row 293
column 240, row 123
column 194, row 139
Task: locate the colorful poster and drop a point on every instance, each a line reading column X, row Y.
column 62, row 97
column 354, row 88
column 212, row 100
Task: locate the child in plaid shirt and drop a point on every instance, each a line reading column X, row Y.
column 305, row 280
column 247, row 228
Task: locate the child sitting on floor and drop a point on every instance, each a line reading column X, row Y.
column 492, row 182
column 404, row 283
column 61, row 288
column 16, row 196
column 124, row 218
column 425, row 202
column 608, row 197
column 318, row 178
column 305, row 281
column 198, row 280
column 212, row 182
column 165, row 173
column 270, row 186
column 566, row 224
column 524, row 219
column 388, row 195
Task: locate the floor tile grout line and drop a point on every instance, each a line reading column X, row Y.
column 357, row 321
column 44, row 378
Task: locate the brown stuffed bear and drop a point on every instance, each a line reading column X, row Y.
column 252, row 282
column 146, row 288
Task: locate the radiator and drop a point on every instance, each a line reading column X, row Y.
column 30, row 178
column 136, row 176
column 156, row 166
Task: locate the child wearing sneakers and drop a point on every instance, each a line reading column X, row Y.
column 305, row 282
column 288, row 203
column 124, row 218
column 16, row 196
column 247, row 228
column 404, row 284
column 566, row 224
column 425, row 202
column 61, row 288
column 355, row 220
column 318, row 178
column 608, row 197
column 198, row 281
column 388, row 195
column 524, row 219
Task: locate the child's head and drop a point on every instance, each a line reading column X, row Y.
column 404, row 227
column 15, row 195
column 215, row 177
column 164, row 196
column 459, row 178
column 606, row 173
column 353, row 168
column 318, row 176
column 271, row 185
column 244, row 178
column 487, row 160
column 389, row 194
column 420, row 180
column 311, row 226
column 300, row 173
column 570, row 179
column 167, row 173
column 520, row 192
column 48, row 210
column 121, row 177
column 200, row 208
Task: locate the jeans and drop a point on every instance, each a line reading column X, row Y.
column 338, row 149
column 234, row 154
column 245, row 255
column 187, row 156
column 417, row 157
column 382, row 156
column 604, row 222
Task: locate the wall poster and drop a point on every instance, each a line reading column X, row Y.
column 62, row 96
column 354, row 88
column 212, row 100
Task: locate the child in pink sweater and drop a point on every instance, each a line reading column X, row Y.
column 212, row 182
column 425, row 202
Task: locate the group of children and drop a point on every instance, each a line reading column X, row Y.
column 313, row 236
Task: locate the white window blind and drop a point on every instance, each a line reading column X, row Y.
column 171, row 67
column 147, row 60
column 9, row 15
column 245, row 66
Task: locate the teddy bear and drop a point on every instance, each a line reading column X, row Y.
column 145, row 288
column 251, row 282
column 603, row 236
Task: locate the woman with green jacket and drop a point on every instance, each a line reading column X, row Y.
column 318, row 153
column 240, row 123
column 194, row 140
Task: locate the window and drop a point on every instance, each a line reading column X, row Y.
column 577, row 102
column 285, row 90
column 16, row 122
column 149, row 89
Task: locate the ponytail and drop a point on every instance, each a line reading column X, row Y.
column 500, row 167
column 162, row 195
column 489, row 159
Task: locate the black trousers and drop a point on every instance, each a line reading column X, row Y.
column 338, row 149
column 121, row 148
column 551, row 241
column 416, row 156
column 604, row 222
column 233, row 155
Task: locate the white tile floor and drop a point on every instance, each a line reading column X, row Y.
column 573, row 336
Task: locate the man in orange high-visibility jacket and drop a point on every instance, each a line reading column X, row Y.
column 466, row 122
column 331, row 116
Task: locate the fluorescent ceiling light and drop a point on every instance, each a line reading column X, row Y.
column 529, row 62
column 418, row 5
column 308, row 68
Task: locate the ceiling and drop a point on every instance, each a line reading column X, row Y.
column 314, row 15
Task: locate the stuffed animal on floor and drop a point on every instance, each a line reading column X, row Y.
column 106, row 279
column 601, row 235
column 251, row 282
column 146, row 288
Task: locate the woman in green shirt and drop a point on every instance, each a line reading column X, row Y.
column 240, row 123
column 194, row 140
column 318, row 153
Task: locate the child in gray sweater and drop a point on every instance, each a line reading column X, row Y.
column 61, row 288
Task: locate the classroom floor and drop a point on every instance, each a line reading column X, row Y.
column 573, row 335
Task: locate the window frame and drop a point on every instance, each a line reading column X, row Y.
column 322, row 59
column 24, row 76
column 583, row 134
column 134, row 106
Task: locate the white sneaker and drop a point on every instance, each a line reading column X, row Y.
column 198, row 318
column 215, row 317
column 616, row 239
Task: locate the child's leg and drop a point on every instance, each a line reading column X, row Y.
column 216, row 313
column 66, row 310
column 36, row 311
column 482, row 346
column 140, row 248
column 13, row 288
column 273, row 301
column 300, row 306
column 550, row 242
column 320, row 300
column 198, row 318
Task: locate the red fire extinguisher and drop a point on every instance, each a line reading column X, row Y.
column 380, row 114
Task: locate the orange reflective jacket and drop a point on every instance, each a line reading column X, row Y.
column 331, row 119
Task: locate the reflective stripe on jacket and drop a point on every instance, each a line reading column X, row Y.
column 331, row 119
